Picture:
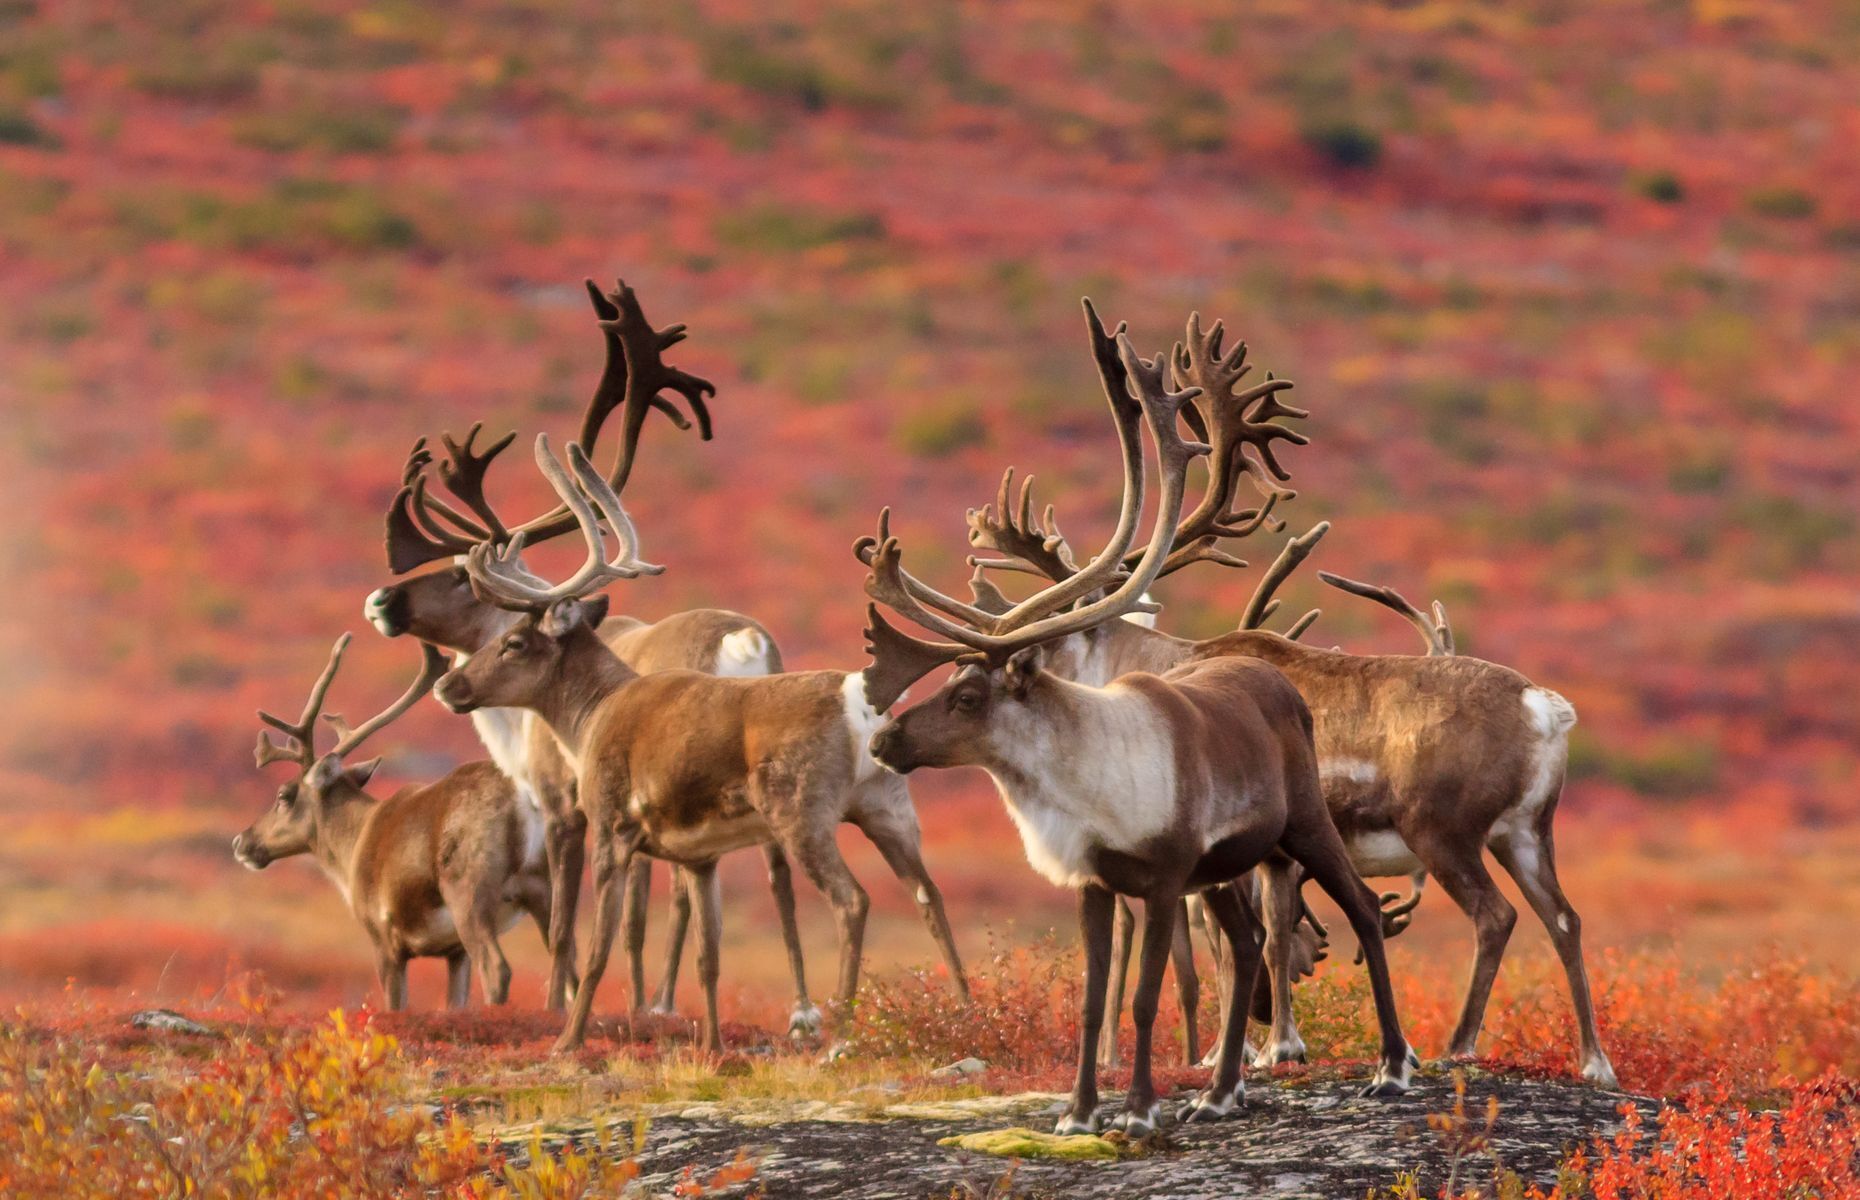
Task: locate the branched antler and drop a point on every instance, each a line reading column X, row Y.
column 1435, row 631
column 1050, row 613
column 300, row 735
column 1033, row 546
column 498, row 574
column 422, row 528
column 463, row 475
column 432, row 666
column 1261, row 607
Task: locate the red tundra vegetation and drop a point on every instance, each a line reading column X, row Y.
column 1570, row 291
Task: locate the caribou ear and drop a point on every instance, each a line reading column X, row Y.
column 1020, row 671
column 565, row 615
column 362, row 772
column 898, row 660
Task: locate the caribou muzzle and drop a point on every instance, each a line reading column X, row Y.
column 454, row 691
column 386, row 610
column 892, row 750
column 250, row 855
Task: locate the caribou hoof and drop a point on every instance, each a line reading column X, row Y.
column 1138, row 1124
column 804, row 1022
column 1210, row 1106
column 1600, row 1072
column 1389, row 1081
column 1414, row 1060
column 1291, row 1049
column 1072, row 1124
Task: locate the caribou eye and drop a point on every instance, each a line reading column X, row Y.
column 967, row 702
column 515, row 645
column 461, row 576
column 287, row 796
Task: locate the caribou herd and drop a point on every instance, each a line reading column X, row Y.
column 1209, row 779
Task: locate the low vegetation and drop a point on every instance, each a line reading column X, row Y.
column 1759, row 1069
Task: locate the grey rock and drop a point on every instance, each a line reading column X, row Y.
column 166, row 1020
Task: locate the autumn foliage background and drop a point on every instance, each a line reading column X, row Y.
column 1572, row 293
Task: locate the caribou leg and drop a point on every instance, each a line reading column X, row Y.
column 1095, row 907
column 804, row 1021
column 1312, row 840
column 1123, row 939
column 1279, row 880
column 1530, row 858
column 613, row 855
column 1240, row 928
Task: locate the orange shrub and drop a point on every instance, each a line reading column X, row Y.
column 274, row 1113
column 1714, row 1148
column 1023, row 1016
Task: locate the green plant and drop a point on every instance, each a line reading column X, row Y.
column 17, row 128
column 941, row 429
column 1662, row 187
column 1783, row 203
column 1343, row 142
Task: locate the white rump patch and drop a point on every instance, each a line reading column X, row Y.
column 743, row 653
column 1382, row 852
column 1550, row 713
column 862, row 721
column 1551, row 717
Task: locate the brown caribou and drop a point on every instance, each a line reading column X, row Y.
column 1426, row 762
column 440, row 607
column 687, row 766
column 1154, row 785
column 438, row 870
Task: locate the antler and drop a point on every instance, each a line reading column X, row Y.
column 1231, row 419
column 1262, row 605
column 648, row 376
column 498, row 574
column 300, row 748
column 1039, row 618
column 463, row 475
column 1435, row 631
column 633, row 378
column 1035, row 547
column 432, row 666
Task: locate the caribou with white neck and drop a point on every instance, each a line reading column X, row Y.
column 1426, row 762
column 1153, row 786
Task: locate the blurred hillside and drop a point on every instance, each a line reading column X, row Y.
column 1572, row 292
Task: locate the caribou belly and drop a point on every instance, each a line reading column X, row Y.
column 1381, row 852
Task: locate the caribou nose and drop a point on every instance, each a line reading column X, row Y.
column 382, row 609
column 454, row 691
column 885, row 746
column 249, row 856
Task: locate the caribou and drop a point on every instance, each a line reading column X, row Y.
column 438, row 870
column 681, row 765
column 1425, row 761
column 1152, row 785
column 440, row 607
